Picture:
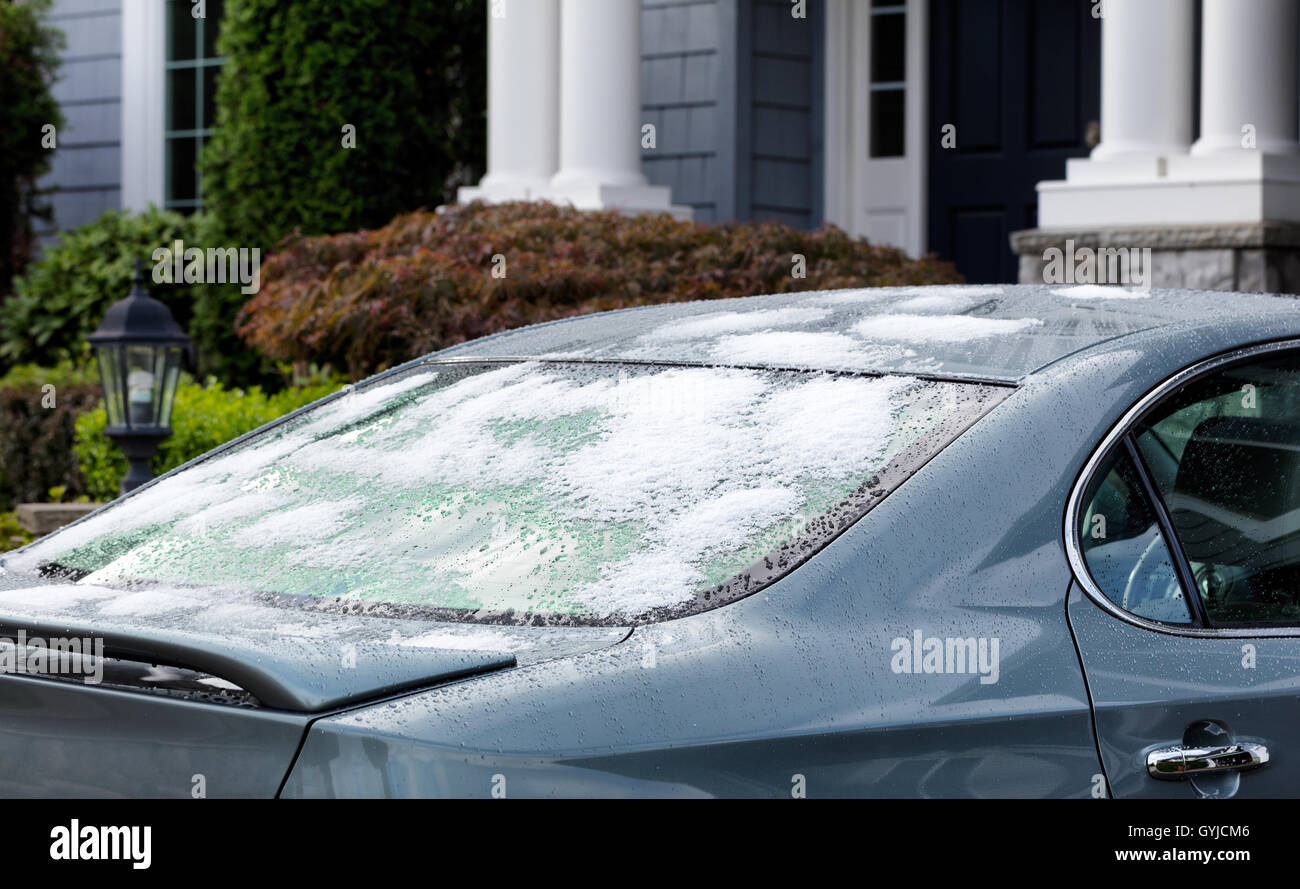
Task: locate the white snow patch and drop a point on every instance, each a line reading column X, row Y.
column 717, row 324
column 217, row 682
column 940, row 328
column 1100, row 291
column 474, row 639
column 53, row 596
column 834, row 421
column 820, row 351
column 953, row 302
column 963, row 291
column 355, row 404
column 219, row 514
column 310, row 522
column 305, row 631
column 849, row 297
column 145, row 603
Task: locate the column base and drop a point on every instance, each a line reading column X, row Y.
column 628, row 199
column 1234, row 187
column 1249, row 258
column 500, row 192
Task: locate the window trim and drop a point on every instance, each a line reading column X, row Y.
column 1118, row 438
column 202, row 132
column 878, row 87
column 1174, row 546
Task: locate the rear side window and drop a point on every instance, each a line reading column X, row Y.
column 532, row 492
column 1125, row 549
column 1221, row 456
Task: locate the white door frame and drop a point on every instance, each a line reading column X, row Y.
column 883, row 199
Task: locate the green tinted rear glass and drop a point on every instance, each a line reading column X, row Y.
column 531, row 491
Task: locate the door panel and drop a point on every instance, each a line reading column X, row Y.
column 1020, row 80
column 1189, row 539
column 1148, row 687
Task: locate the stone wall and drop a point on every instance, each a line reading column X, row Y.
column 1252, row 258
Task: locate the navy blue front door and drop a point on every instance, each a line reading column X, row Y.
column 1014, row 85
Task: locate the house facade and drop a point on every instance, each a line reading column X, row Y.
column 986, row 131
column 136, row 87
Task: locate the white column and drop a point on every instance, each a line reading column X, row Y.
column 143, row 103
column 523, row 100
column 1249, row 78
column 1147, row 74
column 600, row 109
column 1143, row 173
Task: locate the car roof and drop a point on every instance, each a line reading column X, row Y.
column 995, row 332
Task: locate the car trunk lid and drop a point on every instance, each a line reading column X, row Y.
column 283, row 655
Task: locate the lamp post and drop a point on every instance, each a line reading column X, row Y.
column 138, row 347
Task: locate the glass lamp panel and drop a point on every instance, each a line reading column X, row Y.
column 142, row 386
column 109, row 359
column 169, row 368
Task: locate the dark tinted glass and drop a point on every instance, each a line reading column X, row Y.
column 182, row 156
column 182, row 30
column 888, row 43
column 887, row 137
column 1124, row 549
column 180, row 99
column 1224, row 453
column 211, row 27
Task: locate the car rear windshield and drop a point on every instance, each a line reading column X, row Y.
column 530, row 492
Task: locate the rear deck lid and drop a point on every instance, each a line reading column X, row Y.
column 280, row 652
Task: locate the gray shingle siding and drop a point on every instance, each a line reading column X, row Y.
column 87, row 168
column 680, row 72
column 784, row 132
column 733, row 89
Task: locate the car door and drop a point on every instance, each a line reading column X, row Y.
column 1184, row 536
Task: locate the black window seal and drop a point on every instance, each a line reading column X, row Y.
column 1182, row 567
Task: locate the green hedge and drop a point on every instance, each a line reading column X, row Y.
column 372, row 299
column 410, row 77
column 36, row 437
column 203, row 418
column 65, row 294
column 29, row 57
column 12, row 534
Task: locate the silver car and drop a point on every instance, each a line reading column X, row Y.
column 936, row 541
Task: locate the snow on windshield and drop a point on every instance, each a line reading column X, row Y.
column 532, row 488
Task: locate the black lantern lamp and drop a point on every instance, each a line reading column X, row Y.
column 139, row 347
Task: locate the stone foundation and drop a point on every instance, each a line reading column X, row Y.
column 42, row 518
column 1250, row 257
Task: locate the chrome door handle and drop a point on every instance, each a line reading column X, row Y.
column 1173, row 763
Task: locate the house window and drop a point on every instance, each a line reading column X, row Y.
column 888, row 77
column 191, row 71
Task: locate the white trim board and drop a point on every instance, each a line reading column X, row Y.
column 883, row 199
